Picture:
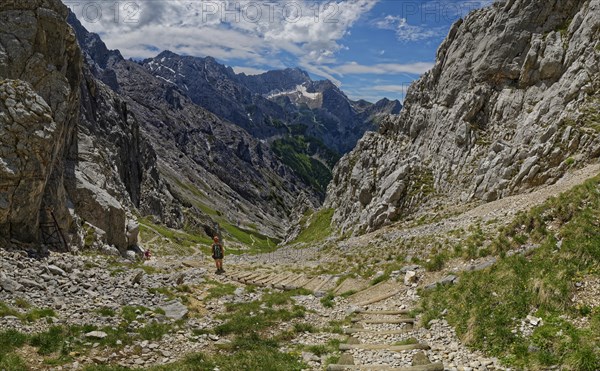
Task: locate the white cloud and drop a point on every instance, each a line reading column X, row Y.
column 384, row 68
column 408, row 32
column 248, row 70
column 254, row 31
column 429, row 18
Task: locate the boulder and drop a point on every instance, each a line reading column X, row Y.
column 175, row 310
column 133, row 231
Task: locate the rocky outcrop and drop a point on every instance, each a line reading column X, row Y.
column 27, row 151
column 67, row 139
column 146, row 141
column 510, row 104
column 39, row 113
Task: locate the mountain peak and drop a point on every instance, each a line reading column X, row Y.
column 168, row 54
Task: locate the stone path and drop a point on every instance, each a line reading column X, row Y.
column 381, row 334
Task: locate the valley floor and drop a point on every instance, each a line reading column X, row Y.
column 384, row 301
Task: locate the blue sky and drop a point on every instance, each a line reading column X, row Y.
column 370, row 48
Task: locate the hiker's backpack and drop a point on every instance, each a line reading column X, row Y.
column 217, row 251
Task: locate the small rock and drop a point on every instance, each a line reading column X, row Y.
column 410, row 277
column 10, row 285
column 533, row 320
column 96, row 334
column 56, row 270
column 175, row 310
column 420, row 359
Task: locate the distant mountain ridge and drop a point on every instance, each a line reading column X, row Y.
column 268, row 104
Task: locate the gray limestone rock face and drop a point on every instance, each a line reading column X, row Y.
column 67, row 140
column 513, row 94
column 28, row 136
column 38, row 48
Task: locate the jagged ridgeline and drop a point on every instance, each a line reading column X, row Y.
column 173, row 140
column 99, row 140
column 511, row 104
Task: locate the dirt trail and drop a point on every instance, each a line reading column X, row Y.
column 501, row 210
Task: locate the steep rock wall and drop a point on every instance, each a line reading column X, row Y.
column 511, row 103
column 38, row 49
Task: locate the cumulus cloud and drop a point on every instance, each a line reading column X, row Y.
column 407, row 32
column 255, row 31
column 429, row 19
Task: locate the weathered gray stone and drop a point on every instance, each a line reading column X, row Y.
column 96, row 335
column 10, row 285
column 486, row 122
column 56, row 270
column 175, row 310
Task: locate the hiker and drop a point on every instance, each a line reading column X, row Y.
column 147, row 254
column 218, row 251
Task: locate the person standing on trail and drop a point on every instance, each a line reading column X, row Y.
column 218, row 251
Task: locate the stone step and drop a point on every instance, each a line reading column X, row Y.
column 313, row 283
column 391, row 348
column 239, row 276
column 351, row 284
column 247, row 278
column 290, row 280
column 429, row 367
column 384, row 321
column 372, row 291
column 354, row 330
column 253, row 280
column 235, row 276
column 378, row 298
column 298, row 282
column 265, row 280
column 383, row 312
column 327, row 280
column 284, row 277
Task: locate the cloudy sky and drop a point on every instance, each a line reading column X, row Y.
column 371, row 48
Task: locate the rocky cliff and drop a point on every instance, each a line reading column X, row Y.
column 69, row 143
column 188, row 166
column 40, row 68
column 511, row 104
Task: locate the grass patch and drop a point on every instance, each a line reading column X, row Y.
column 297, row 152
column 37, row 314
column 318, row 227
column 154, row 331
column 6, row 311
column 251, row 238
column 105, row 312
column 10, row 340
column 327, row 300
column 22, row 303
column 486, row 306
column 12, row 362
column 272, row 308
column 305, row 327
column 409, row 341
column 220, row 290
column 248, row 352
column 32, row 315
column 130, row 313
